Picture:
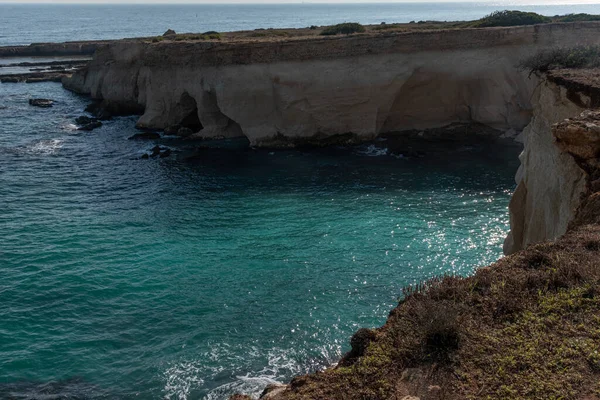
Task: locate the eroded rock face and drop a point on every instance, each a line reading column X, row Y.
column 282, row 93
column 550, row 180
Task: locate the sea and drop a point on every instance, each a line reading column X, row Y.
column 222, row 268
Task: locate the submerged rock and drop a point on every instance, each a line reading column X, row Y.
column 87, row 123
column 165, row 153
column 43, row 103
column 157, row 151
column 90, row 126
column 145, row 136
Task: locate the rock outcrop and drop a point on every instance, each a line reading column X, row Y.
column 283, row 93
column 550, row 181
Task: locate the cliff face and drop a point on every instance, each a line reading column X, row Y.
column 297, row 91
column 550, row 181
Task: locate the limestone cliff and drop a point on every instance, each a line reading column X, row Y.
column 550, row 182
column 357, row 87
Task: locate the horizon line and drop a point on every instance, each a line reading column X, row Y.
column 509, row 3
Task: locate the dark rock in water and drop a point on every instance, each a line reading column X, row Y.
column 165, row 153
column 172, row 130
column 83, row 120
column 43, row 103
column 184, row 132
column 98, row 111
column 169, row 32
column 145, row 136
column 10, row 79
column 90, row 126
column 155, row 151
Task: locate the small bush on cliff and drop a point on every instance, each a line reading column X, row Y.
column 511, row 18
column 346, row 28
column 573, row 57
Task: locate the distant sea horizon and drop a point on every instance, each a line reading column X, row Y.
column 74, row 22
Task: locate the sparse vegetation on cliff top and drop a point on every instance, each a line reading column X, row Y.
column 346, row 28
column 504, row 18
column 560, row 58
column 210, row 35
column 510, row 18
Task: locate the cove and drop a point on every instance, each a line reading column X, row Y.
column 217, row 270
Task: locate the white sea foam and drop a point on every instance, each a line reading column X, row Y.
column 374, row 151
column 184, row 379
column 181, row 379
column 50, row 146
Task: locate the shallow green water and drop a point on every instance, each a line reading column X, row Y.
column 195, row 278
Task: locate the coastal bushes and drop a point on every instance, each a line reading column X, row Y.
column 557, row 58
column 511, row 18
column 346, row 28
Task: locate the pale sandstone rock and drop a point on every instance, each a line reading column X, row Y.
column 550, row 183
column 320, row 88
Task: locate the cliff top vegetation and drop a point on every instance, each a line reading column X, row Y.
column 564, row 58
column 496, row 19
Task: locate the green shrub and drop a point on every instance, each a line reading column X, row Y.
column 577, row 18
column 346, row 28
column 565, row 57
column 511, row 18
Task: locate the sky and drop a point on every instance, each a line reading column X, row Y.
column 500, row 3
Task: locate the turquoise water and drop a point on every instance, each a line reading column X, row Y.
column 191, row 278
column 65, row 22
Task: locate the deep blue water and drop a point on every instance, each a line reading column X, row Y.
column 24, row 24
column 190, row 278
